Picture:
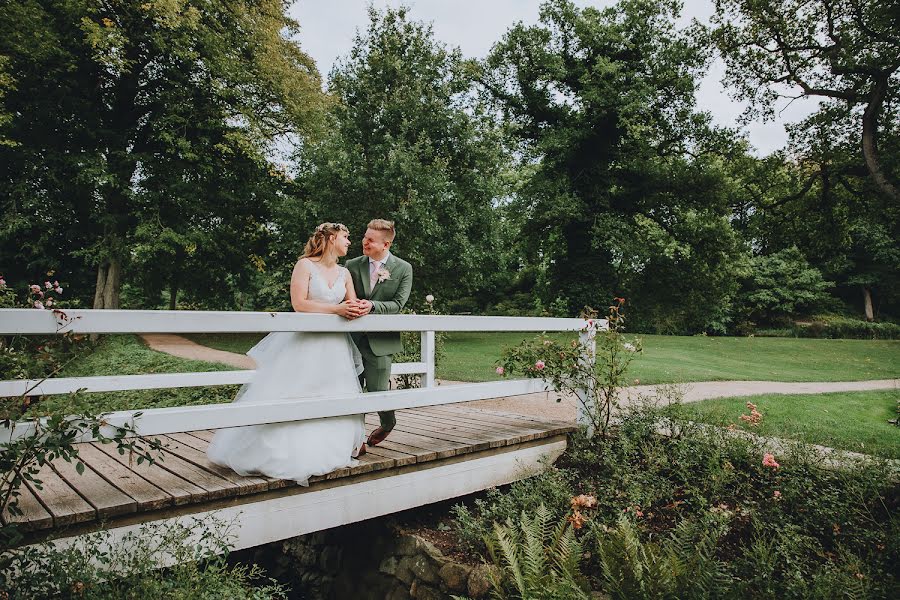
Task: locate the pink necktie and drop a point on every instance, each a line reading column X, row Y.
column 373, row 274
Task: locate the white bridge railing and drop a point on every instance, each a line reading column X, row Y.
column 157, row 421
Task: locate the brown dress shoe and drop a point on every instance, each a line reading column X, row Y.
column 378, row 436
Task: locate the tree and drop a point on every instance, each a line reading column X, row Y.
column 407, row 142
column 818, row 201
column 99, row 88
column 602, row 104
column 844, row 50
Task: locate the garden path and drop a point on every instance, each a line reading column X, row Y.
column 542, row 404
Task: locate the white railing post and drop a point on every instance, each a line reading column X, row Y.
column 428, row 350
column 586, row 405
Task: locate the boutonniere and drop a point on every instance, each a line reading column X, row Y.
column 383, row 274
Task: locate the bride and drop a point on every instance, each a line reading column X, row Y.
column 292, row 366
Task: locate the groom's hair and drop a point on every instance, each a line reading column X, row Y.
column 383, row 225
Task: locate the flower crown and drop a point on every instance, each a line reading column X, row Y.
column 330, row 227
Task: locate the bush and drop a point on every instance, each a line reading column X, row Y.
column 698, row 513
column 100, row 569
column 837, row 327
column 475, row 525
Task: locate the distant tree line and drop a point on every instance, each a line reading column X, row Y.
column 177, row 155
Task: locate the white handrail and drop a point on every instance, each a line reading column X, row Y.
column 168, row 420
column 159, row 421
column 33, row 321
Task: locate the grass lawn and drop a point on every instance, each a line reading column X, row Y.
column 128, row 355
column 855, row 421
column 668, row 359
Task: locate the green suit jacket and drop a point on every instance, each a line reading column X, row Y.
column 388, row 298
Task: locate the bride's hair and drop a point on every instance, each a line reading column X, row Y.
column 318, row 241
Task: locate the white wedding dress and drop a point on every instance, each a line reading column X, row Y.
column 294, row 366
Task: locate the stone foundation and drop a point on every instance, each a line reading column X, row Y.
column 370, row 561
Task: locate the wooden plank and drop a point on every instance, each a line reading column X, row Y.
column 60, row 500
column 34, row 515
column 285, row 513
column 106, row 499
column 476, row 441
column 517, row 433
column 496, row 436
column 244, row 485
column 180, row 490
column 487, row 416
column 146, row 495
column 214, row 485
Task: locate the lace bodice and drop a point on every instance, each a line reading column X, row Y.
column 318, row 285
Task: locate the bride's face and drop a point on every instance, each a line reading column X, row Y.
column 341, row 243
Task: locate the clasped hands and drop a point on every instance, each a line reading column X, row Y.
column 353, row 309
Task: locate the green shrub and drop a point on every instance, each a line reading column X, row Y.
column 551, row 488
column 682, row 565
column 98, row 568
column 841, row 327
column 538, row 558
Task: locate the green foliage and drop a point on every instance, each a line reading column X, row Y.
column 622, row 192
column 841, row 327
column 591, row 369
column 682, row 565
column 538, row 557
column 474, row 524
column 696, row 514
column 781, row 286
column 128, row 569
column 140, row 132
column 408, row 141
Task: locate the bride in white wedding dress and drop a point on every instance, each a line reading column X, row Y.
column 292, row 366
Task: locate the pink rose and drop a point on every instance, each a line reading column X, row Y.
column 769, row 461
column 48, row 285
column 38, row 304
column 2, row 283
column 500, row 370
column 35, row 288
column 49, row 301
column 539, row 365
column 776, row 494
column 58, row 289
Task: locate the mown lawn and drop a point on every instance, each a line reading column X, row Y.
column 668, row 359
column 856, row 421
column 128, row 355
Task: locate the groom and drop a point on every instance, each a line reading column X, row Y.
column 382, row 283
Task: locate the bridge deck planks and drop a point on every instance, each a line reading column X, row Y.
column 115, row 485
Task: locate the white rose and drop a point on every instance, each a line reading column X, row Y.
column 429, row 298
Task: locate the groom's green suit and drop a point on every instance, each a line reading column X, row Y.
column 377, row 348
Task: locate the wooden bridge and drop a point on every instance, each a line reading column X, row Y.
column 440, row 448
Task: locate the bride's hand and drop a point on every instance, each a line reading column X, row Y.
column 347, row 309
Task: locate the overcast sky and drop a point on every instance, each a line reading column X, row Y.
column 328, row 27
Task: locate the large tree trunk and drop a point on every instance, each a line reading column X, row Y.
column 870, row 139
column 109, row 279
column 867, row 303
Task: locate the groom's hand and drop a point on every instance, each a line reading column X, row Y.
column 365, row 307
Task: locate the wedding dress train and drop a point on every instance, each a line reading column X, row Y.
column 292, row 367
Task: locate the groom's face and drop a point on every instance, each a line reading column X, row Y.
column 375, row 243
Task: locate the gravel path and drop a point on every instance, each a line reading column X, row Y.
column 548, row 404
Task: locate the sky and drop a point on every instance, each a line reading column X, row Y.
column 329, row 26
